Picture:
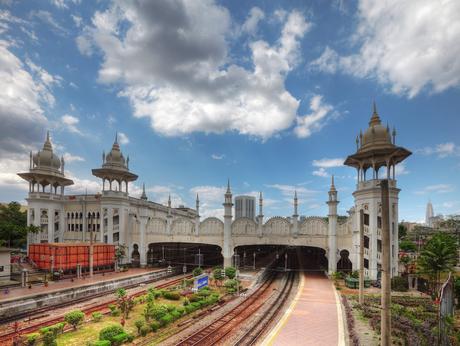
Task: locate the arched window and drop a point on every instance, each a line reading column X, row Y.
column 81, row 215
column 72, row 216
column 68, row 215
column 98, row 215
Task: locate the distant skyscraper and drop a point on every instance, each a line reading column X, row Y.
column 429, row 215
column 245, row 206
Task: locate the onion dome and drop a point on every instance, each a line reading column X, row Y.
column 377, row 135
column 115, row 158
column 45, row 158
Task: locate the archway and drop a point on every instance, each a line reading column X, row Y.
column 135, row 256
column 344, row 263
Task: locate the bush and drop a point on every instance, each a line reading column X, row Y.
column 101, row 343
column 32, row 339
column 166, row 319
column 119, row 339
column 139, row 324
column 109, row 332
column 56, row 329
column 186, row 302
column 97, row 316
column 230, row 272
column 197, row 271
column 154, row 326
column 180, row 309
column 49, row 339
column 194, row 298
column 144, row 330
column 171, row 295
column 176, row 314
column 74, row 318
column 399, row 284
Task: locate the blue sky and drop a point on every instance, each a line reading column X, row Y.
column 270, row 94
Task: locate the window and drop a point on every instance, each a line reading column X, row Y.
column 366, row 263
column 2, row 268
column 379, row 245
column 116, row 237
column 366, row 219
column 379, row 222
column 366, row 242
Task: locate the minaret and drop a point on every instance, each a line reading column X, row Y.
column 227, row 250
column 169, row 216
column 260, row 218
column 143, row 196
column 197, row 218
column 332, row 228
column 377, row 152
column 295, row 216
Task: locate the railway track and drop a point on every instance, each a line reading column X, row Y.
column 258, row 328
column 8, row 336
column 220, row 328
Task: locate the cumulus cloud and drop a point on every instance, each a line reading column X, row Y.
column 321, row 172
column 252, row 21
column 408, row 46
column 441, row 150
column 437, row 188
column 328, row 163
column 68, row 157
column 171, row 58
column 314, row 121
column 217, row 156
column 70, row 122
column 122, row 138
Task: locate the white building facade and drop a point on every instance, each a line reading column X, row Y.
column 112, row 216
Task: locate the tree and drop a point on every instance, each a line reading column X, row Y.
column 402, row 231
column 407, row 245
column 217, row 274
column 439, row 255
column 125, row 303
column 197, row 271
column 74, row 318
column 13, row 225
column 230, row 272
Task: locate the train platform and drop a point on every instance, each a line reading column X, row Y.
column 313, row 318
column 61, row 285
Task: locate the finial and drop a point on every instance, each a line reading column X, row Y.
column 47, row 135
column 116, row 137
column 228, row 186
column 394, row 135
column 143, row 196
column 197, row 198
column 357, row 142
column 374, row 107
column 375, row 120
column 169, row 200
column 332, row 184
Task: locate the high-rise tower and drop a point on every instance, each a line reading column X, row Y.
column 376, row 152
column 429, row 214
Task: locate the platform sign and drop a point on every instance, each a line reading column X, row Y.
column 201, row 281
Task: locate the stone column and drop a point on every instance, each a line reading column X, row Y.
column 50, row 225
column 142, row 249
column 62, row 225
column 332, row 244
column 110, row 225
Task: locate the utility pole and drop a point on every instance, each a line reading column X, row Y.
column 361, row 257
column 254, row 265
column 386, row 267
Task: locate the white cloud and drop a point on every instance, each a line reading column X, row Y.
column 313, row 122
column 173, row 65
column 9, row 167
column 406, row 45
column 82, row 185
column 77, row 20
column 289, row 190
column 47, row 18
column 321, row 172
column 217, row 156
column 158, row 193
column 72, row 158
column 328, row 163
column 209, row 194
column 437, row 188
column 70, row 122
column 441, row 150
column 252, row 21
column 123, row 138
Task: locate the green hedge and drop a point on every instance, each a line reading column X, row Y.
column 171, row 295
column 109, row 332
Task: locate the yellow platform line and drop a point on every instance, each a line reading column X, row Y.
column 340, row 322
column 274, row 333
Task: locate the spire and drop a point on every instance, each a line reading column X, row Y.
column 197, row 204
column 394, row 135
column 332, row 184
column 375, row 119
column 116, row 138
column 47, row 145
column 143, row 196
column 295, row 194
column 228, row 186
column 295, row 203
column 197, row 199
column 261, row 204
column 169, row 201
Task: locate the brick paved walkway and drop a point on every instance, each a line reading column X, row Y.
column 313, row 319
column 54, row 286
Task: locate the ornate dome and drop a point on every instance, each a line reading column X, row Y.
column 115, row 156
column 376, row 135
column 45, row 158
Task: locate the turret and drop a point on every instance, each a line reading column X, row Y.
column 143, row 196
column 197, row 203
column 332, row 228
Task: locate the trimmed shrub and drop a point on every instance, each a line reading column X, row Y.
column 154, row 326
column 197, row 271
column 49, row 339
column 101, row 343
column 399, row 284
column 32, row 339
column 166, row 319
column 109, row 332
column 230, row 272
column 114, row 311
column 171, row 295
column 74, row 318
column 97, row 316
column 119, row 339
column 194, row 298
column 180, row 309
column 144, row 330
column 176, row 314
column 139, row 324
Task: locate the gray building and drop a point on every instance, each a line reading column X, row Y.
column 245, row 206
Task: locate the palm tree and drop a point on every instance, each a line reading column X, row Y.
column 439, row 255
